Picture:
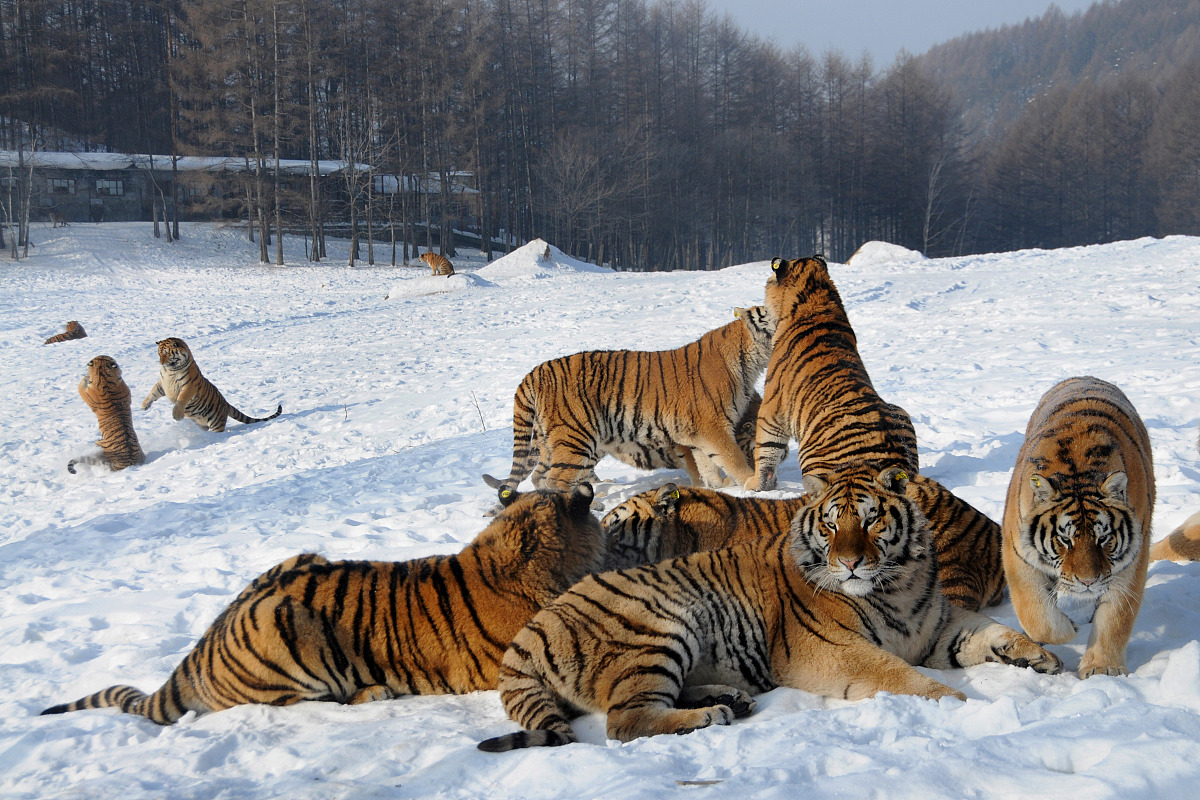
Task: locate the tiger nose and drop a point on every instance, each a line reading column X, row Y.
column 850, row 564
column 1088, row 581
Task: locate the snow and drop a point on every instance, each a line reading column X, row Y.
column 874, row 254
column 392, row 408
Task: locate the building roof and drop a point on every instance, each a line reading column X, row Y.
column 121, row 161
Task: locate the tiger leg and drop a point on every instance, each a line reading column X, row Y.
column 370, row 694
column 1112, row 624
column 652, row 719
column 716, row 694
column 155, row 393
column 970, row 638
column 181, row 402
column 1033, row 601
column 720, row 447
column 855, row 669
column 571, row 455
column 770, row 444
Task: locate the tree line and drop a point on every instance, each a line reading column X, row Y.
column 646, row 135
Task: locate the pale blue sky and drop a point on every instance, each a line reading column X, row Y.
column 880, row 27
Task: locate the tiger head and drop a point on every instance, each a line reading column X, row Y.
column 551, row 536
column 1085, row 533
column 102, row 382
column 174, row 354
column 75, row 329
column 788, row 277
column 760, row 322
column 858, row 531
column 656, row 525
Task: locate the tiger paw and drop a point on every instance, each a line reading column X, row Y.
column 1087, row 669
column 1021, row 651
column 370, row 694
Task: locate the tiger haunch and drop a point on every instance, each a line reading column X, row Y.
column 1077, row 519
column 107, row 395
column 355, row 631
column 842, row 605
column 193, row 395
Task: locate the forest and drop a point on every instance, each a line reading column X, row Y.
column 645, row 134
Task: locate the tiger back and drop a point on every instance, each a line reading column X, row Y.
column 74, row 331
column 356, row 631
column 193, row 395
column 1077, row 519
column 439, row 264
column 674, row 521
column 843, row 604
column 570, row 411
column 817, row 389
column 107, row 395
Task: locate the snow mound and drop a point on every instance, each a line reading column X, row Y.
column 531, row 262
column 874, row 253
column 438, row 284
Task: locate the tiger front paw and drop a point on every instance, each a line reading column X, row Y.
column 1090, row 665
column 1021, row 651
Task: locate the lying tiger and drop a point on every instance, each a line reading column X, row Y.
column 357, row 631
column 106, row 394
column 571, row 411
column 843, row 605
column 74, row 331
column 676, row 521
column 194, row 395
column 440, row 265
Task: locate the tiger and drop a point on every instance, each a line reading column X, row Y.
column 194, row 395
column 106, row 394
column 843, row 603
column 570, row 411
column 673, row 521
column 817, row 390
column 74, row 331
column 1181, row 544
column 1076, row 523
column 358, row 631
column 440, row 265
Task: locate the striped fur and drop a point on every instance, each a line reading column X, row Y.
column 842, row 605
column 1077, row 519
column 74, row 331
column 817, row 389
column 105, row 392
column 440, row 265
column 356, row 631
column 674, row 521
column 1181, row 544
column 645, row 406
column 193, row 395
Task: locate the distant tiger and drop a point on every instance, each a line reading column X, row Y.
column 356, row 631
column 194, row 396
column 105, row 392
column 842, row 604
column 1077, row 519
column 675, row 521
column 569, row 412
column 817, row 390
column 74, row 331
column 438, row 263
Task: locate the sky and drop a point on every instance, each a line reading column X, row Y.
column 880, row 27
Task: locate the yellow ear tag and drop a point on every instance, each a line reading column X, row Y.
column 901, row 476
column 1037, row 481
column 775, row 265
column 506, row 493
column 675, row 495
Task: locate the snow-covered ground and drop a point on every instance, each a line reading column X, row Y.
column 397, row 390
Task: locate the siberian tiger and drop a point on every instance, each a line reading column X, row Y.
column 194, row 395
column 817, row 389
column 74, row 331
column 568, row 412
column 356, row 631
column 1181, row 544
column 672, row 521
column 842, row 604
column 106, row 394
column 439, row 264
column 1077, row 519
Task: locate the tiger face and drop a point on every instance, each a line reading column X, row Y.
column 103, row 376
column 174, row 353
column 1082, row 538
column 858, row 530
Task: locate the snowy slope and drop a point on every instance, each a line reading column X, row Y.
column 396, row 399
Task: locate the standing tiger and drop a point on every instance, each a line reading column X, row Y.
column 569, row 412
column 842, row 605
column 817, row 389
column 1077, row 519
column 440, row 265
column 672, row 521
column 74, row 331
column 193, row 394
column 106, row 394
column 356, row 631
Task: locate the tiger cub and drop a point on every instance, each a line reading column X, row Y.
column 74, row 331
column 672, row 521
column 356, row 631
column 841, row 605
column 569, row 412
column 817, row 389
column 106, row 394
column 194, row 395
column 439, row 264
column 1077, row 519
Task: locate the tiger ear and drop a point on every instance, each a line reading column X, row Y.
column 778, row 267
column 738, row 313
column 894, row 479
column 580, row 503
column 814, row 484
column 1043, row 488
column 666, row 499
column 820, row 259
column 1116, row 487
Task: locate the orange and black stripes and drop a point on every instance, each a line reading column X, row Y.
column 105, row 392
column 74, row 331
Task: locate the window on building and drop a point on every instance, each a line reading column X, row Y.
column 110, row 188
column 62, row 186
